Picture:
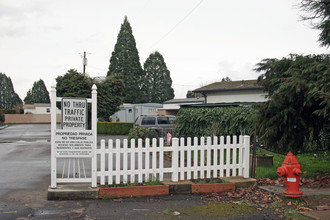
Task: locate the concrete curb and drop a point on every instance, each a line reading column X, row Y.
column 3, row 127
column 240, row 182
column 73, row 192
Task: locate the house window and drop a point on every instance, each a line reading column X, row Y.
column 130, row 110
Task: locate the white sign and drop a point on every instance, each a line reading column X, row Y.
column 74, row 114
column 293, row 180
column 74, row 144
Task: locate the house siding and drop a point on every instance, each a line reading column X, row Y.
column 236, row 96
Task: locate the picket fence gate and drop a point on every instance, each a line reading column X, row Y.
column 213, row 158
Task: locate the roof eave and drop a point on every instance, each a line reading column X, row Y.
column 223, row 90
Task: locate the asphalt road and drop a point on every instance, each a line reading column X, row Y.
column 25, row 177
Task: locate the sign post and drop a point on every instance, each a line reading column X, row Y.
column 73, row 140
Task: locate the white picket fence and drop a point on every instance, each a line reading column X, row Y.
column 118, row 162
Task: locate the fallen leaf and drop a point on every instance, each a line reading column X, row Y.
column 323, row 207
column 305, row 208
column 289, row 203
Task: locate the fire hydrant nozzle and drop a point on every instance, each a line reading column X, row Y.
column 297, row 171
column 291, row 171
column 281, row 171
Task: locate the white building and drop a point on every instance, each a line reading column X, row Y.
column 130, row 112
column 171, row 107
column 38, row 108
column 236, row 93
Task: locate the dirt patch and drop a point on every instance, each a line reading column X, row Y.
column 273, row 205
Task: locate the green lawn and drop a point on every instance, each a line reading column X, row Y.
column 313, row 164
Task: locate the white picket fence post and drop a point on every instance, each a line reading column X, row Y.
column 246, row 156
column 53, row 128
column 175, row 159
column 94, row 128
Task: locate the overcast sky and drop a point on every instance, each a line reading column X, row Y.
column 201, row 41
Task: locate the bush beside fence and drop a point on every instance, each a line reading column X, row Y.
column 215, row 121
column 9, row 111
column 114, row 128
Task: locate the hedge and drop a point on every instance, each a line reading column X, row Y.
column 114, row 128
column 9, row 111
column 218, row 121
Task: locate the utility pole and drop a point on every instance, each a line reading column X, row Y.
column 84, row 62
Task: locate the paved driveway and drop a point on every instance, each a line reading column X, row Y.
column 24, row 156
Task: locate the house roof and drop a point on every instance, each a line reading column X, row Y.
column 223, row 104
column 156, row 105
column 28, row 106
column 186, row 100
column 32, row 106
column 42, row 104
column 230, row 86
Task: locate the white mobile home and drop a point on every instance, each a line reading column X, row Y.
column 130, row 112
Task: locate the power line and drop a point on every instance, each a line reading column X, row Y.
column 176, row 25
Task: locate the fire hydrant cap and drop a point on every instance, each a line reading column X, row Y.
column 290, row 159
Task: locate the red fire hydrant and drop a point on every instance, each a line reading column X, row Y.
column 291, row 171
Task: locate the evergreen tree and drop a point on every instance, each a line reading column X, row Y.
column 38, row 93
column 8, row 97
column 73, row 84
column 296, row 116
column 190, row 94
column 226, row 79
column 157, row 79
column 109, row 97
column 125, row 64
column 109, row 92
column 318, row 13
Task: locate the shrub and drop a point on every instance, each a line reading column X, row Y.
column 217, row 121
column 143, row 133
column 114, row 128
column 9, row 111
column 2, row 117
